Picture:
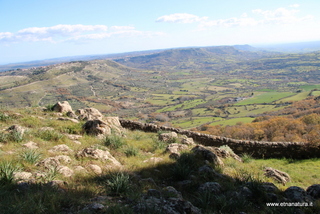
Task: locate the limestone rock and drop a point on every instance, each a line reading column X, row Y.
column 31, row 145
column 153, row 160
column 65, row 171
column 80, row 169
column 277, row 175
column 97, row 154
column 223, row 153
column 187, row 141
column 176, row 148
column 89, row 114
column 49, row 162
column 62, row 107
column 110, row 125
column 68, row 119
column 73, row 136
column 95, row 168
column 22, row 175
column 168, row 137
column 61, row 148
column 63, row 158
column 97, row 127
column 206, row 154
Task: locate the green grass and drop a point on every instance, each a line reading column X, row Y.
column 310, row 87
column 194, row 122
column 297, row 97
column 267, row 97
column 234, row 121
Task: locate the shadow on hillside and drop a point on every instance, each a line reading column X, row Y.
column 122, row 191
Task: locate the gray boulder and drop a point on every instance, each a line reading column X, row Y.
column 277, row 175
column 62, row 107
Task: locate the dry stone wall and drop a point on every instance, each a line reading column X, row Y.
column 257, row 149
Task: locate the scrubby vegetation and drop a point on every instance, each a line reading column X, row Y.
column 28, row 185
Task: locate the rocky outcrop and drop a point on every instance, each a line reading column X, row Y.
column 314, row 191
column 277, row 175
column 168, row 201
column 62, row 107
column 97, row 154
column 206, row 154
column 89, row 114
column 168, row 137
column 110, row 125
column 257, row 149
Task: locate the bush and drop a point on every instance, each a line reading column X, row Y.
column 114, row 141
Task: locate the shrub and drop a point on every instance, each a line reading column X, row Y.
column 114, row 141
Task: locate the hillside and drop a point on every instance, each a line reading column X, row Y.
column 206, row 58
column 184, row 88
column 71, row 162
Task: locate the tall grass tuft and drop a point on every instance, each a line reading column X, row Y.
column 118, row 182
column 131, row 151
column 30, row 156
column 7, row 170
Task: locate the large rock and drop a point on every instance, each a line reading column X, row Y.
column 176, row 148
column 171, row 202
column 60, row 148
column 314, row 191
column 97, row 154
column 223, row 153
column 277, row 175
column 212, row 187
column 206, row 154
column 62, row 107
column 297, row 194
column 89, row 114
column 168, row 137
column 65, row 171
column 109, row 126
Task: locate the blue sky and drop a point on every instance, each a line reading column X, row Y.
column 38, row 29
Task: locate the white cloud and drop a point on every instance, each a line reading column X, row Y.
column 181, row 18
column 256, row 17
column 280, row 16
column 295, row 5
column 62, row 33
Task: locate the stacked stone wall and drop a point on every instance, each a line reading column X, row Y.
column 257, row 149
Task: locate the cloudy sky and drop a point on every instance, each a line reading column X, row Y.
column 39, row 29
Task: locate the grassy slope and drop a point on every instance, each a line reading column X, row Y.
column 83, row 187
